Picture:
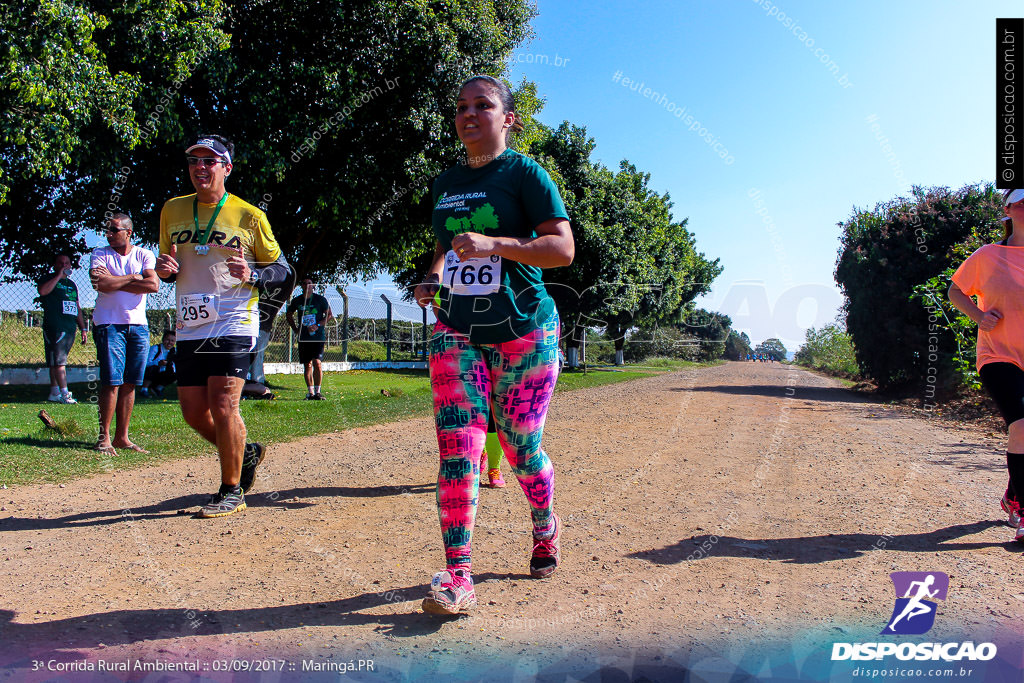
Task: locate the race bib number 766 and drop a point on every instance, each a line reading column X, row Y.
column 473, row 277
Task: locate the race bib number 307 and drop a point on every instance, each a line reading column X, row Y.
column 196, row 309
column 474, row 277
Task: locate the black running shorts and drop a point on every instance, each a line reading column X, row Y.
column 197, row 360
column 57, row 350
column 310, row 351
column 1004, row 382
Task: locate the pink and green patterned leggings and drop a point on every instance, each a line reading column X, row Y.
column 514, row 380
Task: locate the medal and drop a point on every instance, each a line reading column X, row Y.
column 203, row 248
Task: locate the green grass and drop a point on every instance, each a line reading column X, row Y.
column 30, row 452
column 22, row 347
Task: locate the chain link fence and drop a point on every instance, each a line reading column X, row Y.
column 367, row 325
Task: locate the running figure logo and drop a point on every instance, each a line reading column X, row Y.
column 914, row 612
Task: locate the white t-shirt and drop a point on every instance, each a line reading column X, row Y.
column 121, row 308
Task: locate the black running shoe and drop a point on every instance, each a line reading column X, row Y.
column 319, row 397
column 546, row 553
column 223, row 504
column 252, row 458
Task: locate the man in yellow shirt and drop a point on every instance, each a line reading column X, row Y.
column 220, row 252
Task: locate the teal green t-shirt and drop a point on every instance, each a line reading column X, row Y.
column 310, row 311
column 494, row 300
column 60, row 309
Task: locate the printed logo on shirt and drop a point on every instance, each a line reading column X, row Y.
column 480, row 220
column 70, row 293
column 456, row 200
column 217, row 237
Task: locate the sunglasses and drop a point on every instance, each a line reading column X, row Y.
column 114, row 231
column 206, row 162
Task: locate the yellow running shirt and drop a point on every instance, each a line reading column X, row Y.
column 210, row 302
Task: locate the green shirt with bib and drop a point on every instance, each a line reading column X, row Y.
column 492, row 299
column 60, row 309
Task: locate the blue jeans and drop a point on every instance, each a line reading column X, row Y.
column 122, row 351
column 256, row 368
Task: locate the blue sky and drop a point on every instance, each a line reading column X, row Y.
column 924, row 71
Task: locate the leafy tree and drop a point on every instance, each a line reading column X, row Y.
column 773, row 347
column 660, row 342
column 79, row 81
column 737, row 346
column 829, row 349
column 634, row 264
column 709, row 329
column 885, row 254
column 341, row 113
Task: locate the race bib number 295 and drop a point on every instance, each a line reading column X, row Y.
column 196, row 309
column 473, row 277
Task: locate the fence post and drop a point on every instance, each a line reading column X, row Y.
column 424, row 333
column 344, row 324
column 584, row 345
column 291, row 342
column 387, row 337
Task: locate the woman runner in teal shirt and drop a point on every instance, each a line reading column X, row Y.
column 498, row 220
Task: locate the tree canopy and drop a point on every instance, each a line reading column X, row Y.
column 888, row 252
column 737, row 346
column 772, row 347
column 340, row 112
column 635, row 264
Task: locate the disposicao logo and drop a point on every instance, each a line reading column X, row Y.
column 914, row 614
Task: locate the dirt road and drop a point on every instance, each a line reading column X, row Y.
column 705, row 511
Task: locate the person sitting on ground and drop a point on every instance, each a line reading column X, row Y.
column 159, row 367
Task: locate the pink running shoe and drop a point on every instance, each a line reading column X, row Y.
column 451, row 593
column 546, row 553
column 494, row 478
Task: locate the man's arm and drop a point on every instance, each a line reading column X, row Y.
column 45, row 288
column 272, row 275
column 149, row 283
column 81, row 324
column 103, row 281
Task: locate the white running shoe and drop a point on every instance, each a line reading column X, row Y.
column 1011, row 510
column 54, row 398
column 66, row 397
